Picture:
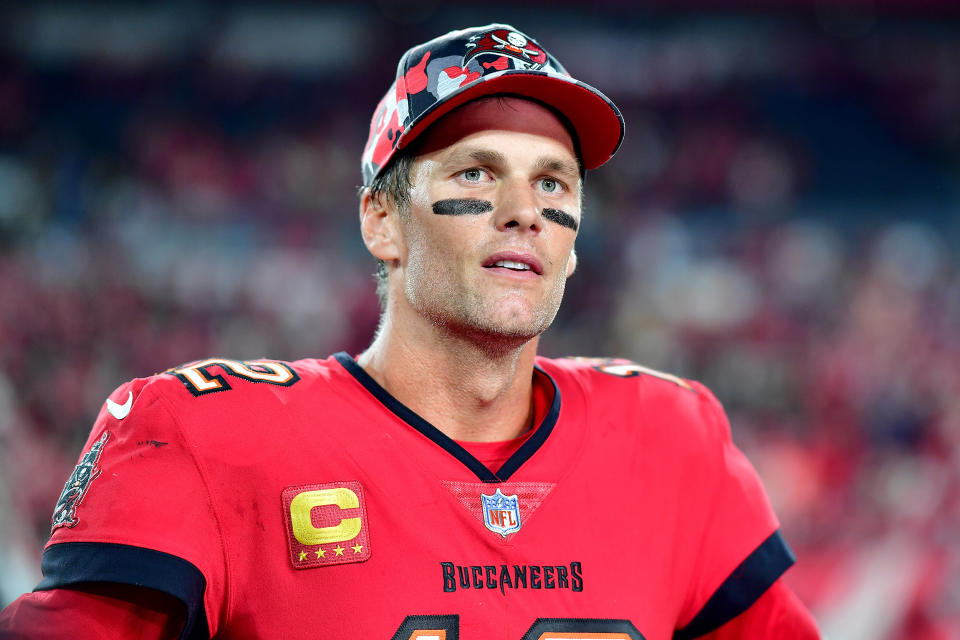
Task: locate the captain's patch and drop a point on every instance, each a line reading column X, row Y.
column 77, row 486
column 326, row 524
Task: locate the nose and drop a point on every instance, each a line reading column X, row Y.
column 517, row 207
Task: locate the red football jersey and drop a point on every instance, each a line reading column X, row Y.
column 301, row 500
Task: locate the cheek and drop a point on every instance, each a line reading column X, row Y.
column 431, row 249
column 566, row 249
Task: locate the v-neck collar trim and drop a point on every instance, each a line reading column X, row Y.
column 409, row 416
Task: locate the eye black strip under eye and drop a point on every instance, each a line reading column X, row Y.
column 470, row 206
column 461, row 207
column 562, row 218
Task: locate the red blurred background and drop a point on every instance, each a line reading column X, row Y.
column 782, row 222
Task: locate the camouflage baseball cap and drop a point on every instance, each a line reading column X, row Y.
column 440, row 75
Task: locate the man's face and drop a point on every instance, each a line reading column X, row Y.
column 487, row 245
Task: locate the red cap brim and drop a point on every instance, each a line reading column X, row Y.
column 596, row 121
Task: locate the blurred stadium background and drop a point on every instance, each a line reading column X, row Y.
column 178, row 181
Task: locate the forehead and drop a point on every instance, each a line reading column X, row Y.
column 499, row 113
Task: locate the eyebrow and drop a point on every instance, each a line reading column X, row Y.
column 482, row 156
column 558, row 165
column 492, row 157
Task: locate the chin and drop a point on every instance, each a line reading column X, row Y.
column 511, row 318
column 515, row 324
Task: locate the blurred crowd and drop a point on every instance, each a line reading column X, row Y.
column 781, row 223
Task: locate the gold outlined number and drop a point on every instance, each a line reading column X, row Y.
column 200, row 379
column 444, row 627
column 627, row 369
column 447, row 627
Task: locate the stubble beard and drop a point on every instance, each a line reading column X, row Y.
column 469, row 314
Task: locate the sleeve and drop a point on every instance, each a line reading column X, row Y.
column 137, row 511
column 741, row 552
column 778, row 613
column 93, row 612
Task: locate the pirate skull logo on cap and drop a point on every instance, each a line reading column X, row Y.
column 438, row 76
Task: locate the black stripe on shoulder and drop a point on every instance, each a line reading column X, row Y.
column 742, row 588
column 71, row 563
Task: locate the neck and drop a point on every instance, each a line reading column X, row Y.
column 464, row 387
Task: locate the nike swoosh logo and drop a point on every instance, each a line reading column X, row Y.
column 120, row 411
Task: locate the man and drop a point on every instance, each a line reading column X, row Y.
column 447, row 482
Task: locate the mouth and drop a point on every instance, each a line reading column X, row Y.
column 514, row 262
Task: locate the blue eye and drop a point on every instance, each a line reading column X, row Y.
column 473, row 175
column 550, row 185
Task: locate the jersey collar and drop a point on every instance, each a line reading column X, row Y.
column 521, row 455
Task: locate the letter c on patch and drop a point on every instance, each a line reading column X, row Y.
column 302, row 523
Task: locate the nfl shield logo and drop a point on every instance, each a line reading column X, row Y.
column 501, row 513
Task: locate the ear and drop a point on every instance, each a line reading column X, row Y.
column 572, row 262
column 378, row 226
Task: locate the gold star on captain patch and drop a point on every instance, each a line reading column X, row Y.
column 338, row 550
column 357, row 548
column 320, row 553
column 303, row 556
